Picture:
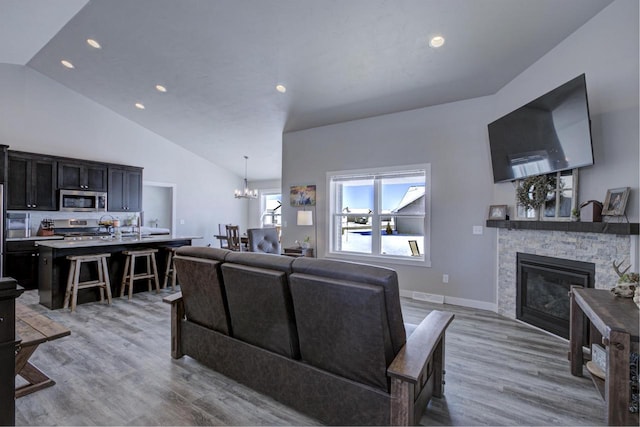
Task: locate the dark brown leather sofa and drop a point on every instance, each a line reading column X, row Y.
column 324, row 337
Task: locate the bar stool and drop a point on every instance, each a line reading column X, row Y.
column 170, row 270
column 74, row 283
column 129, row 274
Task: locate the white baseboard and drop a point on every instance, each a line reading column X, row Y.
column 463, row 302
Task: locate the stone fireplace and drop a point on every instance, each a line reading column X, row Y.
column 542, row 290
column 599, row 249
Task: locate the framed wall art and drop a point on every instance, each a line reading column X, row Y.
column 616, row 201
column 498, row 212
column 303, row 195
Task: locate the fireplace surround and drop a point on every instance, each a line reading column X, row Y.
column 601, row 249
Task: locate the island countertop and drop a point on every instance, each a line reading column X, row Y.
column 133, row 240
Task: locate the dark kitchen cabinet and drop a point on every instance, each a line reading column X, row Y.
column 21, row 262
column 31, row 182
column 125, row 189
column 82, row 176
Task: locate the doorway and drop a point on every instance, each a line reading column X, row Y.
column 159, row 201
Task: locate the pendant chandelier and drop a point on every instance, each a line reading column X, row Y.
column 246, row 193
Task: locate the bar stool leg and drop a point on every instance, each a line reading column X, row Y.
column 67, row 294
column 155, row 272
column 173, row 276
column 107, row 282
column 167, row 270
column 148, row 259
column 76, row 280
column 100, row 279
column 123, row 283
column 131, row 274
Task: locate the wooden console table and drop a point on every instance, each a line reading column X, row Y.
column 33, row 329
column 614, row 323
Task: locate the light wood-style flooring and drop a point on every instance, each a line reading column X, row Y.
column 116, row 369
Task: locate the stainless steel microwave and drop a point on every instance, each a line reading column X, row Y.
column 82, row 201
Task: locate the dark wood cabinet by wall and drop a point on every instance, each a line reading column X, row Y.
column 9, row 291
column 125, row 189
column 88, row 176
column 21, row 263
column 31, row 182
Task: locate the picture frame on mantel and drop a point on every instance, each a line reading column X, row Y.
column 616, row 201
column 498, row 212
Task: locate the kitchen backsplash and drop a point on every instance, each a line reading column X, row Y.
column 37, row 216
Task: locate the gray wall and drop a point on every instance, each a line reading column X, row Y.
column 453, row 138
column 42, row 116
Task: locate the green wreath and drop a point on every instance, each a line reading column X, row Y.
column 532, row 192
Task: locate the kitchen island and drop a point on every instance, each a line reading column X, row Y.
column 53, row 266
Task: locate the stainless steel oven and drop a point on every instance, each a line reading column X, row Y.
column 82, row 201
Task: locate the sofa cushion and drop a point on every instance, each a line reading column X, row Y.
column 203, row 252
column 260, row 307
column 261, row 260
column 342, row 327
column 362, row 273
column 203, row 291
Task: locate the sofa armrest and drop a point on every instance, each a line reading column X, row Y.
column 177, row 314
column 417, row 372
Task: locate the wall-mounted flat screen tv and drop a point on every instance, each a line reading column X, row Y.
column 550, row 134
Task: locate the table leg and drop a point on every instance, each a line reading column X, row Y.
column 616, row 393
column 36, row 379
column 575, row 337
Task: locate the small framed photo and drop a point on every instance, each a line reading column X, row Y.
column 498, row 212
column 616, row 201
column 413, row 244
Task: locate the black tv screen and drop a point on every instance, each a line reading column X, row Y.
column 550, row 134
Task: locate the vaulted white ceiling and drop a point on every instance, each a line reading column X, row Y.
column 220, row 60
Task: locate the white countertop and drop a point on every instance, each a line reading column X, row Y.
column 33, row 238
column 62, row 244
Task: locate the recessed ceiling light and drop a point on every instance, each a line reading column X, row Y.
column 139, row 105
column 436, row 41
column 67, row 64
column 94, row 44
column 161, row 88
column 281, row 88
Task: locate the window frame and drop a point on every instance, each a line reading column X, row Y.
column 263, row 206
column 424, row 260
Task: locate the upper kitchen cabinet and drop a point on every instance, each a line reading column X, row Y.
column 73, row 175
column 31, row 182
column 125, row 189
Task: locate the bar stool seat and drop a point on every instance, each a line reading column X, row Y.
column 129, row 275
column 73, row 281
column 170, row 270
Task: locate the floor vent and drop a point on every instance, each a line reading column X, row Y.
column 421, row 296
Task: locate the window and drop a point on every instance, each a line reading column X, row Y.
column 270, row 208
column 562, row 200
column 559, row 203
column 380, row 214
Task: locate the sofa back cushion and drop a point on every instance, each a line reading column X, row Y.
column 205, row 301
column 386, row 278
column 260, row 307
column 343, row 328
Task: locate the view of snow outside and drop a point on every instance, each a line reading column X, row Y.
column 356, row 230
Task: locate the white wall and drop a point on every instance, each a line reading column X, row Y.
column 606, row 50
column 454, row 139
column 39, row 115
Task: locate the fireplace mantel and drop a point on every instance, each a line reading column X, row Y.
column 619, row 228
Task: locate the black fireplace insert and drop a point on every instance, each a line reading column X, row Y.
column 543, row 285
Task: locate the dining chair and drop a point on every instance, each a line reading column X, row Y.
column 264, row 240
column 233, row 237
